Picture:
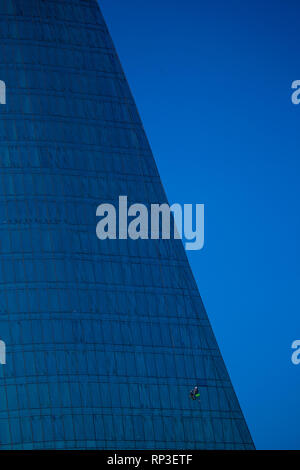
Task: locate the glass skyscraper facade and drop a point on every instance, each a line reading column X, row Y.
column 104, row 339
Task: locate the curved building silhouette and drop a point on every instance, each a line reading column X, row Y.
column 104, row 339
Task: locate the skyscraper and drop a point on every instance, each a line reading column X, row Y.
column 104, row 339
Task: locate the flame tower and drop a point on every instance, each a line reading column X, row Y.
column 104, row 339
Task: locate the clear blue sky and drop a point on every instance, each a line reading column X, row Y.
column 212, row 81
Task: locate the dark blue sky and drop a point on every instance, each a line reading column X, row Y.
column 212, row 81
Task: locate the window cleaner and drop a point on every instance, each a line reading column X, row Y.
column 194, row 393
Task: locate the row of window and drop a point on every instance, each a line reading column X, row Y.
column 64, row 131
column 80, row 109
column 84, row 83
column 59, row 57
column 79, row 302
column 111, row 429
column 57, row 269
column 103, row 331
column 125, row 445
column 54, row 360
column 57, row 32
column 80, row 11
column 128, row 396
column 30, row 239
column 54, row 156
column 81, row 190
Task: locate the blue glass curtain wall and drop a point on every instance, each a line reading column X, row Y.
column 104, row 339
